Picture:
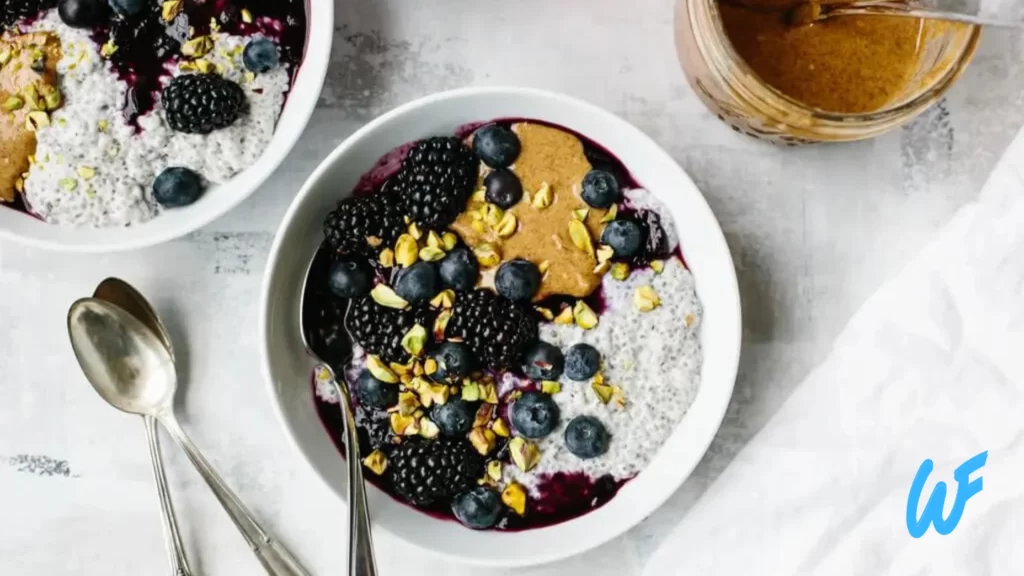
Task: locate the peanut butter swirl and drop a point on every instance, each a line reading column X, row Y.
column 28, row 92
column 552, row 159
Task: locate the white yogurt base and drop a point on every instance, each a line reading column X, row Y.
column 654, row 357
column 126, row 162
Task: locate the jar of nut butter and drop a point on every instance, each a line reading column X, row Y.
column 845, row 78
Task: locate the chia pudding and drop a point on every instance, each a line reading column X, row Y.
column 117, row 110
column 514, row 316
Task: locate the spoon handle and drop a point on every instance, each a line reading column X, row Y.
column 361, row 561
column 175, row 549
column 274, row 557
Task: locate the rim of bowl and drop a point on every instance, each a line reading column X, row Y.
column 733, row 356
column 315, row 60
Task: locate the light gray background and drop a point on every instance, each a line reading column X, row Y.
column 813, row 232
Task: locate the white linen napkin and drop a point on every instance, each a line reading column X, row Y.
column 932, row 367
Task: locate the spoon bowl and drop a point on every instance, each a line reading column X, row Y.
column 125, row 362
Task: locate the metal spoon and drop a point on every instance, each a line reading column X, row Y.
column 814, row 11
column 361, row 561
column 129, row 367
column 120, row 293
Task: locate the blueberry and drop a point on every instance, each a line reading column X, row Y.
column 534, row 414
column 478, row 508
column 600, row 189
column 586, row 437
column 176, row 187
column 454, row 417
column 626, row 237
column 517, row 279
column 454, row 362
column 127, row 7
column 582, row 361
column 374, row 393
column 417, row 283
column 349, row 279
column 83, row 13
column 503, row 188
column 496, row 145
column 544, row 362
column 459, row 270
column 260, row 55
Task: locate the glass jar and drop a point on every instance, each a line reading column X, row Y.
column 735, row 93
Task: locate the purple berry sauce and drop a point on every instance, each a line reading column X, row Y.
column 563, row 496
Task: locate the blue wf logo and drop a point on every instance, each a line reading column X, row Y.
column 932, row 513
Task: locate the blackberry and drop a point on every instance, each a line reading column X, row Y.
column 11, row 11
column 428, row 472
column 495, row 328
column 379, row 329
column 436, row 179
column 202, row 103
column 363, row 224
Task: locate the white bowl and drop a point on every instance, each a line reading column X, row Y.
column 302, row 99
column 288, row 368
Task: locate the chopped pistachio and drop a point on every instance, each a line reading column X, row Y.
column 580, row 236
column 604, row 392
column 620, row 270
column 405, row 425
column 414, row 340
column 444, row 299
column 542, row 198
column 584, row 315
column 514, row 496
column 544, row 266
column 69, row 184
column 581, row 213
column 108, row 49
column 430, row 366
column 564, row 317
column 431, row 254
column 380, row 371
column 377, row 462
column 507, row 225
column 197, row 47
column 387, row 258
column 246, row 16
column 524, row 453
column 658, row 266
column 501, row 428
column 102, row 125
column 170, row 9
column 441, row 324
column 605, row 253
column 483, row 440
column 470, row 391
column 415, row 231
column 428, row 429
column 487, row 255
column 406, row 250
column 646, row 299
column 434, row 240
column 86, row 172
column 545, row 313
column 550, row 387
column 494, row 470
column 383, row 294
column 13, row 103
column 450, row 240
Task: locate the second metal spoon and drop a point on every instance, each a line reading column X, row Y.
column 119, row 292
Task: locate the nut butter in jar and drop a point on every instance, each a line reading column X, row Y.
column 841, row 79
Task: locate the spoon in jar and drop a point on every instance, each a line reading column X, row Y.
column 130, row 368
column 120, row 293
column 361, row 561
column 813, row 11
